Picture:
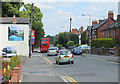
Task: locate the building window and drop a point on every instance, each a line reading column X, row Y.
column 108, row 33
column 114, row 32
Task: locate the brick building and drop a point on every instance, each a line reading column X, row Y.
column 112, row 30
column 94, row 30
column 79, row 32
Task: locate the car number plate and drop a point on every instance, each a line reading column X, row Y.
column 66, row 57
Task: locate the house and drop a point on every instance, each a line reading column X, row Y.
column 14, row 32
column 79, row 32
column 112, row 30
column 95, row 29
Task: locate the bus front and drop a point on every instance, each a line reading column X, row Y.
column 44, row 44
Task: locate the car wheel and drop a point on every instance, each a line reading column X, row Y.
column 56, row 62
column 72, row 62
column 59, row 63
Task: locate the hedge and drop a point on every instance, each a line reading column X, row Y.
column 103, row 42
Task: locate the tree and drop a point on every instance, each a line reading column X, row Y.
column 11, row 8
column 63, row 38
column 71, row 43
column 51, row 39
column 83, row 38
column 37, row 24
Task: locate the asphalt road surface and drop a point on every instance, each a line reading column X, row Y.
column 85, row 70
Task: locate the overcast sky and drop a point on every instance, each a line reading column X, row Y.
column 56, row 13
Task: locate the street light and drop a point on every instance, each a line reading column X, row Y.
column 90, row 35
column 89, row 26
column 70, row 27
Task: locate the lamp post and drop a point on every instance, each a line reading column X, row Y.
column 70, row 27
column 90, row 35
column 89, row 26
column 31, row 30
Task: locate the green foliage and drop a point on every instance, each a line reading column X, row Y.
column 71, row 43
column 37, row 24
column 6, row 76
column 83, row 38
column 63, row 38
column 59, row 46
column 15, row 60
column 103, row 42
column 51, row 39
column 11, row 8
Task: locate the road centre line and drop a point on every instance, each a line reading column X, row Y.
column 47, row 59
column 71, row 80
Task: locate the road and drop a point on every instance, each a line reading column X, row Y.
column 42, row 68
column 86, row 69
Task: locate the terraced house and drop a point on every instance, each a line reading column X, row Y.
column 94, row 31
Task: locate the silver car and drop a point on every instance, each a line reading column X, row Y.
column 64, row 56
column 52, row 51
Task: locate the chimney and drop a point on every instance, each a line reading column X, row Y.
column 118, row 18
column 72, row 30
column 94, row 22
column 14, row 19
column 100, row 21
column 81, row 29
column 110, row 15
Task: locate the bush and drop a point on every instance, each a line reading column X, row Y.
column 59, row 46
column 103, row 42
column 71, row 43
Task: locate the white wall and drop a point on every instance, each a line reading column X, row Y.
column 22, row 47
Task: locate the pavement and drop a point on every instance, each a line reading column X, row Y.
column 36, row 69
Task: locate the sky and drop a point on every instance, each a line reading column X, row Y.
column 57, row 13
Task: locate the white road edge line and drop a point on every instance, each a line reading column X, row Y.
column 21, row 79
column 64, row 79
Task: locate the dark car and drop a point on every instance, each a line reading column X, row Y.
column 77, row 51
column 57, row 49
column 71, row 48
column 63, row 48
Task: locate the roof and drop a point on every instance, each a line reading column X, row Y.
column 113, row 25
column 9, row 20
column 88, row 28
column 96, row 26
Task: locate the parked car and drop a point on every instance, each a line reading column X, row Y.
column 84, row 47
column 63, row 48
column 57, row 49
column 9, row 52
column 77, row 51
column 71, row 48
column 52, row 51
column 64, row 56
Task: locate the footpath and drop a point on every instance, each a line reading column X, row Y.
column 113, row 59
column 37, row 70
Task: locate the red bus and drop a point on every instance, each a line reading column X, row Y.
column 44, row 44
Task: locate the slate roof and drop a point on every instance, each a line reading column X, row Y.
column 96, row 26
column 113, row 25
column 88, row 28
column 9, row 20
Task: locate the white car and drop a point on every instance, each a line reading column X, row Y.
column 9, row 52
column 64, row 56
column 84, row 47
column 52, row 51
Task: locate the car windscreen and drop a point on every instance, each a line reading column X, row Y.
column 52, row 49
column 65, row 52
column 77, row 49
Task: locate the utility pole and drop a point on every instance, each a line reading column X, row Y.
column 70, row 27
column 31, row 30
